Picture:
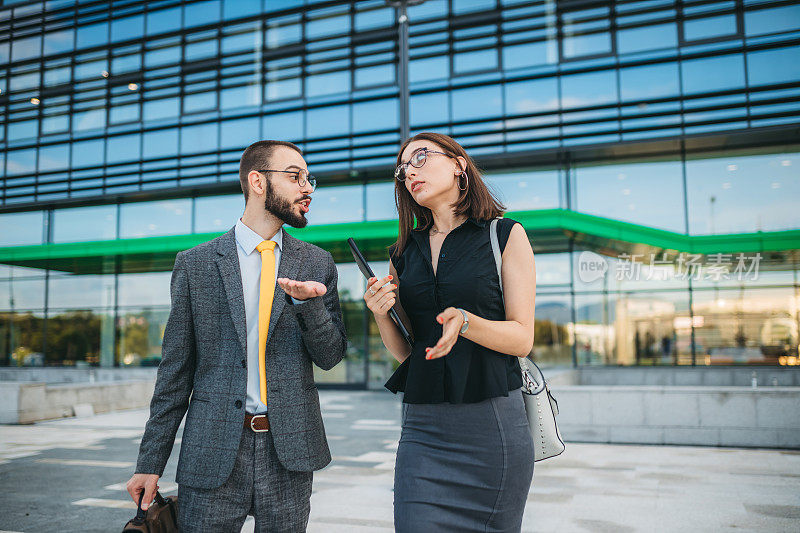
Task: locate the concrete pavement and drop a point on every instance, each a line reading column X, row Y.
column 72, row 472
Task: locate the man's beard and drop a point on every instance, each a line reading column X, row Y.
column 283, row 209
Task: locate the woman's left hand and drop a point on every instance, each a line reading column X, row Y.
column 451, row 320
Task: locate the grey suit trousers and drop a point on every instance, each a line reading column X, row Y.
column 279, row 499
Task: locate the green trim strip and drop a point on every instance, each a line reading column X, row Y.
column 385, row 232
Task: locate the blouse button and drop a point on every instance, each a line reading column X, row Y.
column 442, row 256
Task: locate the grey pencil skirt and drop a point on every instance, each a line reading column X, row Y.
column 463, row 467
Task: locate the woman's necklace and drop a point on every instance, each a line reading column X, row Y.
column 434, row 231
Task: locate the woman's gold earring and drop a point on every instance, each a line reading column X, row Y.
column 466, row 181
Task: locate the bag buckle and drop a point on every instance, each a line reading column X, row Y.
column 253, row 427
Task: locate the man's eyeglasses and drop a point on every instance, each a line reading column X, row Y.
column 300, row 176
column 417, row 159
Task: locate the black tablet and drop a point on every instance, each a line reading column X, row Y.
column 365, row 269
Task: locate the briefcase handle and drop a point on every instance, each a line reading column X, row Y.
column 141, row 514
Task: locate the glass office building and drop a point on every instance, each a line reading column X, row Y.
column 651, row 149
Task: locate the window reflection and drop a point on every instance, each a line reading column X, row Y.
column 773, row 20
column 375, row 115
column 88, row 153
column 478, row 102
column 147, row 219
column 713, row 74
column 287, row 126
column 330, row 83
column 127, row 28
column 380, row 201
column 649, row 81
column 217, row 213
column 95, row 223
column 331, row 205
column 26, row 48
column 200, row 138
column 160, row 143
column 21, row 162
column 647, row 38
column 145, row 289
column 522, row 191
column 747, row 326
column 429, row 108
column 123, row 148
column 283, row 31
column 650, row 194
column 163, row 21
column 709, row 27
column 529, row 54
column 780, row 65
column 200, row 13
column 21, row 338
column 327, row 121
column 92, row 35
column 17, row 229
column 21, row 294
column 553, row 329
column 323, row 24
column 593, row 88
column 58, row 42
column 743, row 193
column 81, row 291
column 141, row 333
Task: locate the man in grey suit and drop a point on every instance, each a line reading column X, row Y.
column 253, row 434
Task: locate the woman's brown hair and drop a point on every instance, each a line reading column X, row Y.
column 476, row 201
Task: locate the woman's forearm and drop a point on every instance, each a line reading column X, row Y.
column 504, row 336
column 392, row 338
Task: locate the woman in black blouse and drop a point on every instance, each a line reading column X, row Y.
column 465, row 457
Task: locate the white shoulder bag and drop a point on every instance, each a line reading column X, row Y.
column 540, row 406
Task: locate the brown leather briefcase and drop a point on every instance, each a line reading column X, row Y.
column 160, row 517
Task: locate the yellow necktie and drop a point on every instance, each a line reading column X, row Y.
column 266, row 295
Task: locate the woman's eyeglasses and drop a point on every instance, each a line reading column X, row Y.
column 417, row 159
column 300, row 176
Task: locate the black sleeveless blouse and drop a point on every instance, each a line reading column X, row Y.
column 466, row 277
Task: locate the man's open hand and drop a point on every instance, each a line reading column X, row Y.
column 302, row 290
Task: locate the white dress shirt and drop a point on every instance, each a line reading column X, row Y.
column 250, row 267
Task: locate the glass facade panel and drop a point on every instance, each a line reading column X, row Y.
column 380, row 201
column 22, row 294
column 154, row 103
column 773, row 66
column 140, row 335
column 713, row 74
column 747, row 326
column 217, row 213
column 21, row 229
column 743, row 193
column 523, row 191
column 148, row 219
column 649, row 194
column 147, row 289
column 21, row 338
column 80, row 291
column 330, row 205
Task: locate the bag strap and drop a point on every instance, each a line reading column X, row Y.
column 534, row 380
column 498, row 257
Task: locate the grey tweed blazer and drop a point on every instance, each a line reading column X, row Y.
column 204, row 356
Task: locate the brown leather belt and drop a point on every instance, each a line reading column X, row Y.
column 257, row 423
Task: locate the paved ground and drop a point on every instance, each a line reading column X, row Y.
column 72, row 472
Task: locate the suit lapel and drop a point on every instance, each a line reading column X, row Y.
column 291, row 259
column 228, row 264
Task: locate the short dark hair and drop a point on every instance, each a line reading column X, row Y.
column 257, row 157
